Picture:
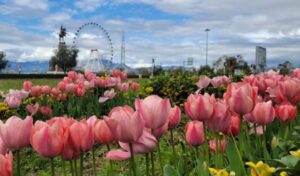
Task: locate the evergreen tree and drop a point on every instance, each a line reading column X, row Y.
column 65, row 58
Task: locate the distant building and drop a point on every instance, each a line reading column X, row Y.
column 260, row 60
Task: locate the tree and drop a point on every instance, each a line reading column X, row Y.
column 3, row 62
column 285, row 68
column 206, row 70
column 64, row 58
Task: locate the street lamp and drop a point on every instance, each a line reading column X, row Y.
column 206, row 30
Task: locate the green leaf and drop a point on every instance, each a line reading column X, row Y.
column 289, row 161
column 170, row 171
column 180, row 167
column 233, row 157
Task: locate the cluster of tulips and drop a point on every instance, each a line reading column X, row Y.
column 247, row 108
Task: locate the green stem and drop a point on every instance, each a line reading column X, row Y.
column 147, row 164
column 132, row 159
column 81, row 164
column 52, row 167
column 239, row 155
column 63, row 167
column 286, row 131
column 72, row 168
column 18, row 163
column 94, row 162
column 160, row 160
column 75, row 167
column 110, row 162
column 152, row 163
column 216, row 154
column 206, row 145
column 172, row 142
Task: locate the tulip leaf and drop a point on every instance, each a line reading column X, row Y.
column 233, row 157
column 181, row 165
column 170, row 171
column 289, row 161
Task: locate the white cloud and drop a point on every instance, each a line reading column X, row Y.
column 89, row 5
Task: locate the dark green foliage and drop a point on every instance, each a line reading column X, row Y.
column 64, row 58
column 3, row 62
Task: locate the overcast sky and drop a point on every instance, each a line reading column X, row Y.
column 168, row 30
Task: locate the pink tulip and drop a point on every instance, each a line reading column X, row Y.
column 61, row 86
column 221, row 146
column 55, row 92
column 27, row 85
column 174, row 117
column 125, row 124
column 47, row 140
column 69, row 151
column 46, row 111
column 67, row 80
column 194, row 133
column 145, row 144
column 3, row 147
column 72, row 75
column 13, row 102
column 221, row 117
column 89, row 84
column 102, row 133
column 36, row 91
column 160, row 131
column 33, row 109
column 203, row 82
column 290, row 88
column 123, row 86
column 241, row 97
column 71, row 87
column 6, row 164
column 21, row 94
column 286, row 112
column 262, row 114
column 235, row 125
column 135, row 86
column 217, row 81
column 46, row 89
column 82, row 136
column 119, row 74
column 199, row 107
column 154, row 110
column 108, row 94
column 91, row 121
column 89, row 75
column 16, row 132
column 80, row 92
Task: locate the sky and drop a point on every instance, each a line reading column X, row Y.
column 168, row 30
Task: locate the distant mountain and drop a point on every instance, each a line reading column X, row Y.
column 27, row 67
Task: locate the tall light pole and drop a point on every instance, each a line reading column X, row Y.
column 206, row 30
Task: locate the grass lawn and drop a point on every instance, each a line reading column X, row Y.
column 6, row 84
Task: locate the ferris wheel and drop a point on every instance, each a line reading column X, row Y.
column 106, row 48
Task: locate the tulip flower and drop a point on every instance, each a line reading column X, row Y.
column 36, row 91
column 174, row 117
column 16, row 139
column 82, row 136
column 27, row 85
column 134, row 86
column 221, row 146
column 203, row 82
column 235, row 125
column 102, row 133
column 123, row 86
column 125, row 124
column 13, row 102
column 72, row 75
column 33, row 109
column 160, row 131
column 46, row 89
column 47, row 139
column 6, row 164
column 3, row 147
column 154, row 111
column 290, row 88
column 145, row 144
column 46, row 111
column 262, row 114
column 199, row 107
column 221, row 117
column 241, row 97
column 108, row 94
column 194, row 133
column 260, row 168
column 286, row 112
